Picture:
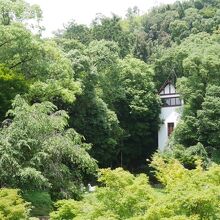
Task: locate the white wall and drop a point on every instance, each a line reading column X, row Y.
column 167, row 115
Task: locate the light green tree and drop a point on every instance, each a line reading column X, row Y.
column 12, row 206
column 184, row 194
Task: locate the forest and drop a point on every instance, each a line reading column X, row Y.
column 82, row 107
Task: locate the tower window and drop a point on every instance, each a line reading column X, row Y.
column 170, row 128
column 174, row 101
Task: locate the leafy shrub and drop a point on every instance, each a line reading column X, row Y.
column 193, row 193
column 186, row 194
column 122, row 196
column 187, row 155
column 12, row 206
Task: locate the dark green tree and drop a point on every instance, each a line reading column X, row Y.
column 109, row 28
column 138, row 111
column 75, row 31
column 208, row 118
column 11, row 83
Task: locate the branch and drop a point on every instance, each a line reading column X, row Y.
column 6, row 42
column 22, row 61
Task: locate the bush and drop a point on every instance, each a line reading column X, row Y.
column 187, row 155
column 191, row 193
column 12, row 206
column 186, row 195
column 122, row 196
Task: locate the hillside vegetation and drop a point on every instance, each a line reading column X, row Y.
column 88, row 99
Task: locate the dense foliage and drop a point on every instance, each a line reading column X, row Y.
column 36, row 150
column 118, row 108
column 12, row 83
column 88, row 97
column 185, row 194
column 179, row 40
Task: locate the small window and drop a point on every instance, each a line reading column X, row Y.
column 170, row 128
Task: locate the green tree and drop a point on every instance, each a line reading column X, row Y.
column 18, row 10
column 109, row 28
column 11, row 84
column 128, row 89
column 74, row 31
column 54, row 79
column 37, row 152
column 42, row 63
column 90, row 114
column 41, row 202
column 208, row 118
column 138, row 110
column 12, row 206
column 188, row 193
column 166, row 25
column 200, row 67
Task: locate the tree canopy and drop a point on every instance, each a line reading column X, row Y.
column 87, row 98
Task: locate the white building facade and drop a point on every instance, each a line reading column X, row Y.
column 170, row 113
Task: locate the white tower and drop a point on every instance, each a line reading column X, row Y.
column 170, row 113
